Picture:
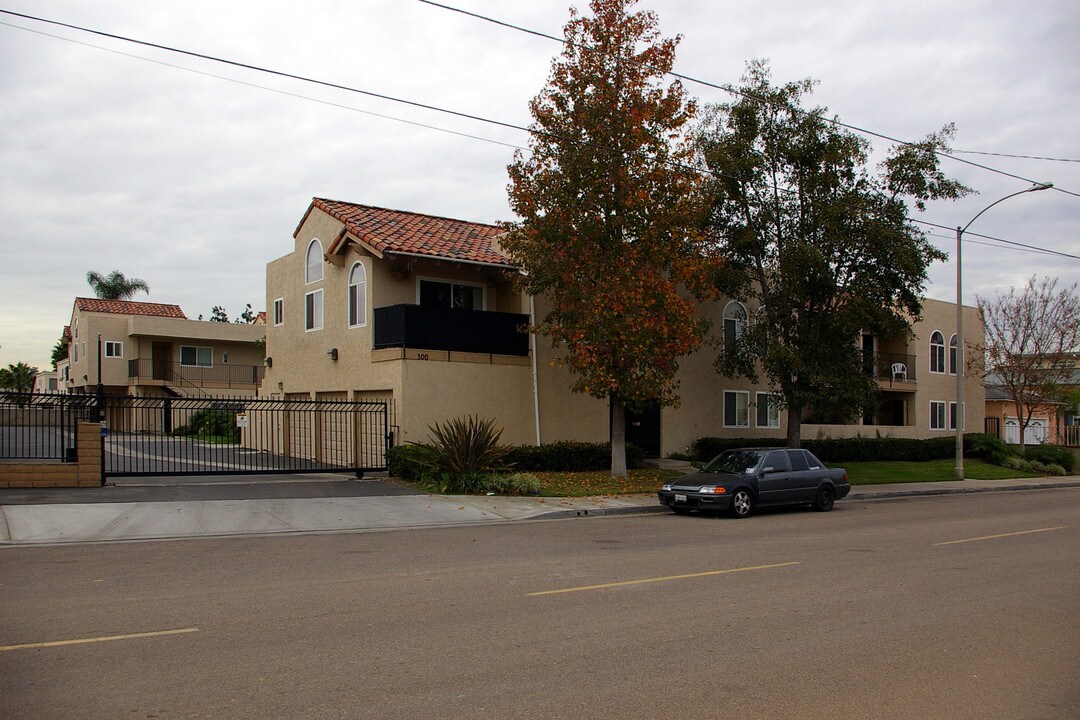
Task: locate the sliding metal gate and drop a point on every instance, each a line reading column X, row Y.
column 233, row 436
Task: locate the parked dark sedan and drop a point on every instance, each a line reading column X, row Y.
column 737, row 481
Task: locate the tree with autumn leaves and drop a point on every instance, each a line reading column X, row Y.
column 610, row 230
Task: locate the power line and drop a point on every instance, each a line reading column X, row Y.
column 382, row 96
column 735, row 91
column 1022, row 157
column 1000, row 240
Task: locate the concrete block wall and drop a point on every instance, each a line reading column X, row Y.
column 85, row 472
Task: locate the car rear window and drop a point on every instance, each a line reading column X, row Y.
column 798, row 460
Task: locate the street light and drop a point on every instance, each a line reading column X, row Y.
column 959, row 469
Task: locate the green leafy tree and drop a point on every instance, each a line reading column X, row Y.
column 217, row 314
column 18, row 377
column 610, row 223
column 248, row 316
column 1032, row 348
column 820, row 245
column 59, row 351
column 115, row 286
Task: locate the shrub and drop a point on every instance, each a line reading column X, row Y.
column 211, row 423
column 1055, row 469
column 1036, row 466
column 462, row 450
column 1052, row 454
column 837, row 450
column 992, row 449
column 1015, row 462
column 515, row 484
column 403, row 461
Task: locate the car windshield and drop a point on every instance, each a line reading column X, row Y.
column 742, row 462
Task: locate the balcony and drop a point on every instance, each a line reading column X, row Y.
column 452, row 330
column 892, row 370
column 146, row 371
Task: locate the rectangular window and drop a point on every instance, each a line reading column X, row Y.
column 196, row 356
column 114, row 349
column 279, row 311
column 768, row 410
column 451, row 295
column 313, row 311
column 76, row 348
column 937, row 415
column 357, row 303
column 736, row 408
column 952, row 416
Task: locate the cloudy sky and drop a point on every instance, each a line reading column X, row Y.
column 192, row 175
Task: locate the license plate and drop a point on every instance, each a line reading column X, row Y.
column 680, row 498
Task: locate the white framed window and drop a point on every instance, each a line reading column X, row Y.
column 937, row 352
column 443, row 293
column 937, row 415
column 734, row 323
column 114, row 349
column 313, row 264
column 193, row 356
column 75, row 328
column 313, row 311
column 75, row 346
column 357, row 298
column 768, row 410
column 736, row 408
column 952, row 415
column 279, row 311
column 953, row 354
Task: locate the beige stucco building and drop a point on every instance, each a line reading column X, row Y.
column 371, row 303
column 153, row 349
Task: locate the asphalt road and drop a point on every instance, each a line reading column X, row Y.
column 936, row 607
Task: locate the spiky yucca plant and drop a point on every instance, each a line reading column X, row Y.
column 461, row 449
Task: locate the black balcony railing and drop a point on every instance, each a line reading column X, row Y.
column 895, row 367
column 436, row 328
column 222, row 375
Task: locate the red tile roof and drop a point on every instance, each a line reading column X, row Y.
column 396, row 231
column 129, row 307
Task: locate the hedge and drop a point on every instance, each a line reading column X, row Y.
column 858, row 449
column 567, row 456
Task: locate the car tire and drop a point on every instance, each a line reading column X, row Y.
column 742, row 503
column 825, row 499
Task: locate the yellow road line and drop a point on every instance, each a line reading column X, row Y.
column 80, row 641
column 994, row 537
column 659, row 579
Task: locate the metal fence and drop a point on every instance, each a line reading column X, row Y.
column 41, row 426
column 201, row 436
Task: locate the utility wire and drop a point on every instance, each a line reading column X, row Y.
column 267, row 88
column 382, row 96
column 1022, row 157
column 1000, row 240
column 735, row 91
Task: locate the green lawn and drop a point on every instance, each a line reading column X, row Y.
column 878, row 473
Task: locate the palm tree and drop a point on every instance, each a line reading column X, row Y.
column 115, row 286
column 19, row 378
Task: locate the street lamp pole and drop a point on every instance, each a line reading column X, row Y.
column 959, row 469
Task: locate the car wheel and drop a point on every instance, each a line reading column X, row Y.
column 826, row 498
column 742, row 503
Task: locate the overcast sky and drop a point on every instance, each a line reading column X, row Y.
column 116, row 156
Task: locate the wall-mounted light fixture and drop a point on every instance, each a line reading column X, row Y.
column 269, row 362
column 332, row 353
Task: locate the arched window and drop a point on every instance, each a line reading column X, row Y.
column 734, row 323
column 357, row 296
column 313, row 267
column 937, row 352
column 953, row 356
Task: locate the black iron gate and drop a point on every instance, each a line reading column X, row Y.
column 233, row 436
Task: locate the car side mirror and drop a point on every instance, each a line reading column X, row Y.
column 768, row 469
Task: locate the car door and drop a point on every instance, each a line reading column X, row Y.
column 774, row 479
column 806, row 474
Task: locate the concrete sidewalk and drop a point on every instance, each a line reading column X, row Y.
column 103, row 521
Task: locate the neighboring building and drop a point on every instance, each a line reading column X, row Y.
column 153, row 349
column 47, row 382
column 1003, row 422
column 370, row 304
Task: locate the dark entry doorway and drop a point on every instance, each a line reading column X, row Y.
column 643, row 429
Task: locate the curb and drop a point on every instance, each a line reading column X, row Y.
column 957, row 491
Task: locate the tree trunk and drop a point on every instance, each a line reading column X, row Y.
column 618, row 437
column 1022, row 420
column 794, row 427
